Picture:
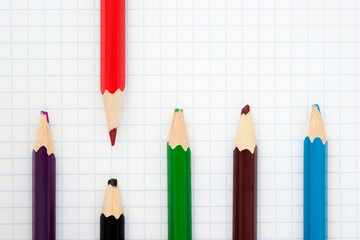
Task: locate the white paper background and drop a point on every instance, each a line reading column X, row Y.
column 208, row 57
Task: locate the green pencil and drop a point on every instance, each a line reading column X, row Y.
column 179, row 180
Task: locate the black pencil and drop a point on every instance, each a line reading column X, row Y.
column 112, row 218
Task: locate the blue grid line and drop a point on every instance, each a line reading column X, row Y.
column 193, row 112
column 161, row 130
column 210, row 122
column 176, row 55
column 259, row 152
column 182, row 25
column 62, row 128
column 291, row 121
column 182, row 58
column 187, row 91
column 324, row 56
column 96, row 85
column 12, row 129
column 226, row 118
column 340, row 142
column 78, row 120
column 356, row 120
column 28, row 122
column 275, row 132
column 184, row 41
column 127, row 118
column 189, row 9
column 144, row 104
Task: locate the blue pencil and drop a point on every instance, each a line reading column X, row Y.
column 315, row 178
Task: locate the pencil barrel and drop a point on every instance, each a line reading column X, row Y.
column 315, row 189
column 245, row 195
column 112, row 228
column 44, row 195
column 112, row 45
column 179, row 193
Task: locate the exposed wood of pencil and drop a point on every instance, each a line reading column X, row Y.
column 316, row 126
column 112, row 105
column 112, row 203
column 178, row 134
column 112, row 218
column 245, row 138
column 43, row 135
column 245, row 180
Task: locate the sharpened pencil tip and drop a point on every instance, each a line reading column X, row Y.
column 316, row 105
column 112, row 135
column 47, row 115
column 245, row 110
column 112, row 182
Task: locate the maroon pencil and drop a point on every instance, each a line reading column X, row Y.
column 245, row 179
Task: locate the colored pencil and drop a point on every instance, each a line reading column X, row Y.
column 112, row 218
column 112, row 61
column 179, row 180
column 245, row 179
column 315, row 178
column 44, row 172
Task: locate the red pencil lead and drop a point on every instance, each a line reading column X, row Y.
column 245, row 110
column 112, row 135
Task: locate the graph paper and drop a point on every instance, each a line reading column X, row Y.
column 209, row 58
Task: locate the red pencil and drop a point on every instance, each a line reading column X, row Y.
column 112, row 61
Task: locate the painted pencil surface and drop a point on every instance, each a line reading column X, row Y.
column 112, row 61
column 44, row 192
column 315, row 178
column 245, row 179
column 112, row 218
column 179, row 180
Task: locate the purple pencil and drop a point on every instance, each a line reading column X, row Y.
column 44, row 163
